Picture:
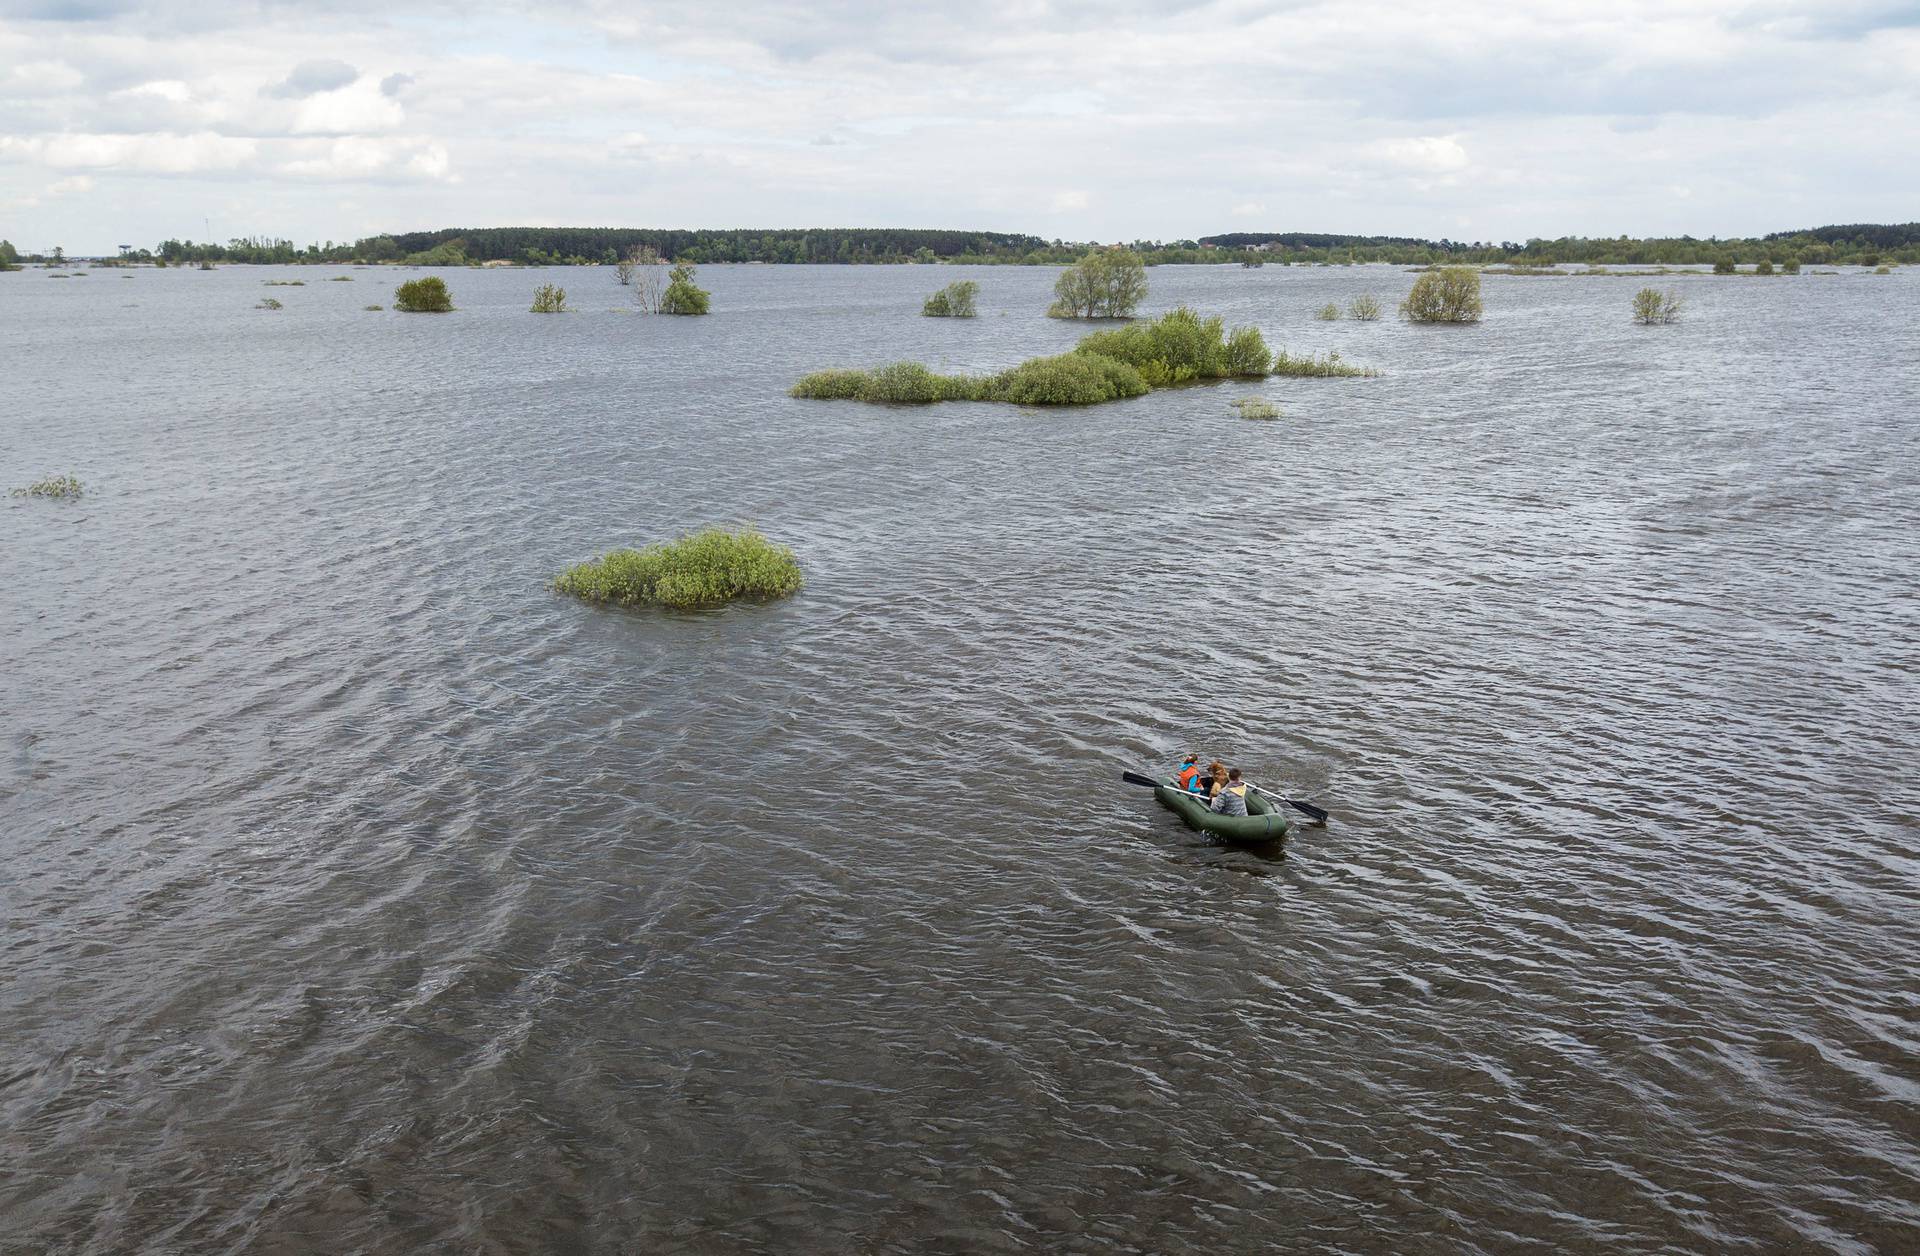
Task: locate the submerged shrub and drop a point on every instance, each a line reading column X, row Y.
column 681, row 296
column 907, row 383
column 549, row 299
column 706, row 568
column 1107, row 283
column 374, row 307
column 268, row 303
column 1724, row 266
column 1763, row 267
column 1328, row 313
column 1327, row 366
column 1176, row 347
column 342, row 279
column 1247, row 354
column 1256, row 408
column 65, row 486
column 423, row 296
column 1791, row 266
column 1079, row 378
column 1450, row 294
column 1651, row 306
column 284, row 283
column 953, row 301
column 1365, row 308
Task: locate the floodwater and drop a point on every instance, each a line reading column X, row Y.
column 362, row 895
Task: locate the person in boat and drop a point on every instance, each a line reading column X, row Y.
column 1188, row 777
column 1216, row 780
column 1231, row 800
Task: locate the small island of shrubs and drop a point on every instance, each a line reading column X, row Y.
column 1177, row 348
column 710, row 567
column 423, row 296
column 1446, row 294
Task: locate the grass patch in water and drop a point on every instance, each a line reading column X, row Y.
column 341, row 279
column 56, row 486
column 373, row 307
column 284, row 283
column 1328, row 313
column 1177, row 348
column 1327, row 366
column 268, row 303
column 710, row 567
column 1256, row 408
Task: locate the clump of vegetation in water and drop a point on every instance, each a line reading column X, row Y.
column 1256, row 408
column 1108, row 283
column 1652, row 306
column 1724, row 266
column 1079, row 378
column 549, row 299
column 1450, row 294
column 1883, row 270
column 342, row 279
column 1176, row 348
column 375, row 308
column 1328, row 313
column 953, row 301
column 1791, row 266
column 423, row 296
column 268, row 303
column 681, row 296
column 1327, row 366
column 1763, row 267
column 707, row 568
column 1180, row 346
column 58, row 486
column 285, row 283
column 1364, row 308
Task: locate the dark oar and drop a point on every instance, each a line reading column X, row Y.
column 1306, row 808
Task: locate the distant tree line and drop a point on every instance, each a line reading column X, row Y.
column 1861, row 243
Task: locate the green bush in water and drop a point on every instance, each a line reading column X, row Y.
column 1247, row 354
column 1256, row 408
column 1724, row 266
column 1365, row 308
column 423, row 296
column 1172, row 349
column 1079, row 378
column 953, row 301
column 1446, row 294
column 549, row 299
column 707, row 568
column 1328, row 313
column 681, row 296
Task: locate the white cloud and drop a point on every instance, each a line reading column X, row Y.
column 1068, row 200
column 151, row 154
column 1427, row 154
column 1248, row 209
column 357, row 109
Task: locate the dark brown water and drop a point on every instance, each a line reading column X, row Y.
column 360, row 895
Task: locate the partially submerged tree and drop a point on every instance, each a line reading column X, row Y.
column 1105, row 284
column 549, row 299
column 1651, row 306
column 646, row 272
column 681, row 296
column 953, row 301
column 1447, row 294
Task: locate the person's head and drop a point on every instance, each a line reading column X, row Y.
column 1234, row 776
column 1189, row 759
column 1217, row 770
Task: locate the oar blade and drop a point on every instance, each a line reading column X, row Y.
column 1317, row 813
column 1134, row 778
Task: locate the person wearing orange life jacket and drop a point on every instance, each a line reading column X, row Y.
column 1232, row 798
column 1189, row 775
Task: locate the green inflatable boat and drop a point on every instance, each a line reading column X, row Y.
column 1262, row 823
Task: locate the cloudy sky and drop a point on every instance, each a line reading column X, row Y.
column 130, row 121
